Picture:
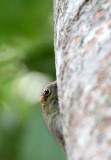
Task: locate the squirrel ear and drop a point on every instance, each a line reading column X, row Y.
column 55, row 83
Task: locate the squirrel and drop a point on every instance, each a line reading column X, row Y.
column 51, row 111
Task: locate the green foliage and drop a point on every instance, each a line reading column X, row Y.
column 26, row 64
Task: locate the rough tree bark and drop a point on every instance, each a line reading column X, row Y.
column 83, row 65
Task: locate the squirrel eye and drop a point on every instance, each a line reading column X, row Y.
column 46, row 92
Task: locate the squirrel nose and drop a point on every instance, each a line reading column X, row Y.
column 42, row 100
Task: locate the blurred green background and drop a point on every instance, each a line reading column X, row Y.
column 26, row 65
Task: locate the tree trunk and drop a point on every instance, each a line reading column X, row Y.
column 83, row 65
